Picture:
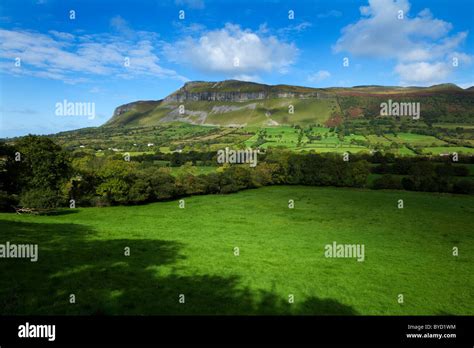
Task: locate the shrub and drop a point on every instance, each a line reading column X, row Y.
column 461, row 171
column 97, row 201
column 387, row 182
column 7, row 201
column 40, row 199
column 139, row 191
column 408, row 184
column 465, row 186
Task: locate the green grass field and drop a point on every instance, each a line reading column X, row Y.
column 416, row 139
column 287, row 137
column 171, row 136
column 375, row 139
column 277, row 136
column 306, row 111
column 190, row 251
column 448, row 150
column 339, row 149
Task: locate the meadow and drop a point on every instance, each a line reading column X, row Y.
column 191, row 251
column 354, row 138
column 287, row 137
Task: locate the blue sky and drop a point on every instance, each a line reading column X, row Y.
column 115, row 52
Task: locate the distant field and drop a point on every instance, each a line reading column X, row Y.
column 191, row 251
column 339, row 149
column 139, row 153
column 416, row 139
column 404, row 151
column 277, row 136
column 375, row 139
column 287, row 137
column 450, row 150
column 316, row 137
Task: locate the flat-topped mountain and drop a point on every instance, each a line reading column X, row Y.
column 236, row 91
column 239, row 103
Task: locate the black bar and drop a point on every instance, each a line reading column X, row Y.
column 225, row 330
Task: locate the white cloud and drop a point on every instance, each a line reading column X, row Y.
column 233, row 50
column 291, row 29
column 248, row 78
column 119, row 24
column 423, row 72
column 381, row 33
column 73, row 59
column 61, row 35
column 419, row 39
column 466, row 84
column 462, row 58
column 319, row 76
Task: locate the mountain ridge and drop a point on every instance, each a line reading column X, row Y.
column 234, row 102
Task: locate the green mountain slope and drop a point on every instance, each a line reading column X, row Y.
column 238, row 103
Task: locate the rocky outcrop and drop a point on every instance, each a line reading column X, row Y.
column 236, row 91
column 215, row 96
column 183, row 96
column 133, row 106
column 123, row 109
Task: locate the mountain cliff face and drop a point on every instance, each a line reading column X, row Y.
column 238, row 103
column 237, row 91
column 135, row 106
column 184, row 96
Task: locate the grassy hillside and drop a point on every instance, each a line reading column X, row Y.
column 136, row 111
column 247, row 103
column 252, row 113
column 188, row 251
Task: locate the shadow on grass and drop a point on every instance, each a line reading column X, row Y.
column 106, row 282
column 63, row 211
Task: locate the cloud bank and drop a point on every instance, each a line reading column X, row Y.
column 72, row 59
column 421, row 45
column 232, row 50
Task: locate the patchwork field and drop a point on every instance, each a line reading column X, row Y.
column 446, row 150
column 416, row 139
column 191, row 251
column 324, row 139
column 184, row 137
column 288, row 137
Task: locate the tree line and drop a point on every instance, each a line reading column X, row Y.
column 37, row 173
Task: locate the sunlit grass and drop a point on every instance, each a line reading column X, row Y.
column 281, row 251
